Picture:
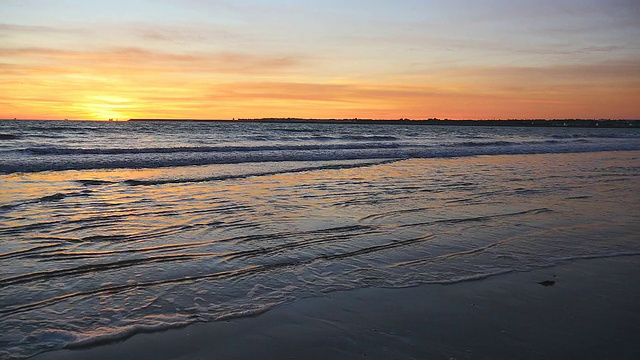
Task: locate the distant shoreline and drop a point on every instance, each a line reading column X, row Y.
column 605, row 123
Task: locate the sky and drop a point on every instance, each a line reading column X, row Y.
column 380, row 59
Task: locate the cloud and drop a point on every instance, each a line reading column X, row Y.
column 319, row 92
column 6, row 29
column 140, row 60
column 604, row 73
column 613, row 72
column 195, row 34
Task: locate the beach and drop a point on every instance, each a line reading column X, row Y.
column 348, row 239
column 319, row 180
column 590, row 312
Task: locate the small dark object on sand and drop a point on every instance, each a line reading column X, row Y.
column 547, row 283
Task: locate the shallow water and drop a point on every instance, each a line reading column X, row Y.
column 100, row 251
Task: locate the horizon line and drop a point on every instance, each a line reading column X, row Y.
column 284, row 119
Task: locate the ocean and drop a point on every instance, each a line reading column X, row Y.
column 108, row 229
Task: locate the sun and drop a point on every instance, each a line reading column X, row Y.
column 107, row 107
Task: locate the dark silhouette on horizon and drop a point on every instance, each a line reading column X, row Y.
column 591, row 123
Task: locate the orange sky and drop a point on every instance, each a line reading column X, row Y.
column 330, row 59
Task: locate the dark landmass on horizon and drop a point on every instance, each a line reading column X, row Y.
column 605, row 123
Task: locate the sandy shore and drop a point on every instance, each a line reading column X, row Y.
column 591, row 312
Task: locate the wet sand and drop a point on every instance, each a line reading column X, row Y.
column 592, row 311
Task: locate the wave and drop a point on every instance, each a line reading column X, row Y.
column 200, row 149
column 92, row 182
column 334, row 234
column 372, row 137
column 133, row 182
column 90, row 268
column 28, row 251
column 127, row 332
column 596, row 135
column 222, row 274
column 44, row 199
column 87, row 159
column 315, row 134
column 233, row 148
column 485, row 143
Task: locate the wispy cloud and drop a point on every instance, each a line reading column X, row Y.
column 139, row 60
column 6, row 29
column 615, row 73
column 187, row 34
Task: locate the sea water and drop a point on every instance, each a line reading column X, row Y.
column 108, row 228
